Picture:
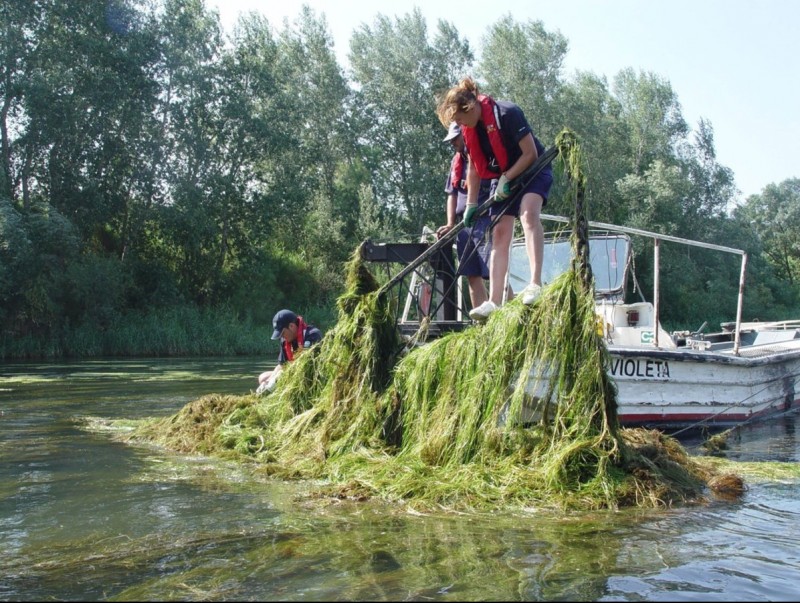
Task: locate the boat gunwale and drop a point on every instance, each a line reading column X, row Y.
column 713, row 356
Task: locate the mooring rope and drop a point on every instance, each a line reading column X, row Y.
column 740, row 404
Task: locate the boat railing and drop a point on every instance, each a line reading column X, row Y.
column 452, row 303
column 777, row 325
column 657, row 238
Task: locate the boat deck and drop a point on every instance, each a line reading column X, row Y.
column 759, row 351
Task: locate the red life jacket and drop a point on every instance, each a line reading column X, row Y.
column 288, row 348
column 457, row 171
column 491, row 121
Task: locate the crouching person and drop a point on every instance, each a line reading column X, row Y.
column 294, row 335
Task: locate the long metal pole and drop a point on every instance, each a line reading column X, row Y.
column 737, row 338
column 656, row 292
column 542, row 162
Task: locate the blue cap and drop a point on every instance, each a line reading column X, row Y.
column 282, row 320
column 455, row 130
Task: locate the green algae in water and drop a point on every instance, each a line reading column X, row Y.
column 444, row 424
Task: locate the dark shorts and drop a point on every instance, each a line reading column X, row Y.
column 473, row 249
column 539, row 185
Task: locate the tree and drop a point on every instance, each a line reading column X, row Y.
column 651, row 110
column 523, row 63
column 399, row 74
column 713, row 184
column 85, row 106
column 589, row 109
column 318, row 101
column 774, row 215
column 16, row 47
column 192, row 223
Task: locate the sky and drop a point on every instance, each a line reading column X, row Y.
column 733, row 63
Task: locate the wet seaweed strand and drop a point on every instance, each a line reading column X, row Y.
column 449, row 423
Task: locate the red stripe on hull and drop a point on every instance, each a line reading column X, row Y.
column 709, row 418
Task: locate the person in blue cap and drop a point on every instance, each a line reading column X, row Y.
column 294, row 334
column 472, row 243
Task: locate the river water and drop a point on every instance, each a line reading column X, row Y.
column 85, row 518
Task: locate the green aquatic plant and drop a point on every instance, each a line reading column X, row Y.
column 518, row 411
column 327, row 401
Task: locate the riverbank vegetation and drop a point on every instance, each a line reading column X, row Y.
column 166, row 186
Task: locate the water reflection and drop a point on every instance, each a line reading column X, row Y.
column 85, row 518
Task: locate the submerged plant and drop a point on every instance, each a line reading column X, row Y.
column 520, row 410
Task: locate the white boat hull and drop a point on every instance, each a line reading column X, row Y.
column 681, row 387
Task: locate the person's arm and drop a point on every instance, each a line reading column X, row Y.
column 529, row 155
column 473, row 184
column 473, row 187
column 452, row 201
column 267, row 380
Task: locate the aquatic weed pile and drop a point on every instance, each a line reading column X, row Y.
column 519, row 411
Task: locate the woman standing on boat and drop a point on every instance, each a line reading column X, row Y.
column 500, row 144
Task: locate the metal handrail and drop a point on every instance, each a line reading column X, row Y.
column 661, row 237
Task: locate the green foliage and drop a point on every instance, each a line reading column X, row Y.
column 651, row 110
column 399, row 73
column 84, row 278
column 187, row 331
column 587, row 107
column 523, row 63
column 774, row 216
column 237, row 170
column 35, row 247
column 176, row 331
column 15, row 257
column 276, row 278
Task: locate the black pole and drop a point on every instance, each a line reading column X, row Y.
column 542, row 162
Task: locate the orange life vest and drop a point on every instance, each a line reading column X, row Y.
column 288, row 348
column 491, row 121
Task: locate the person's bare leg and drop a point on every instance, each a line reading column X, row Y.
column 530, row 216
column 477, row 290
column 498, row 260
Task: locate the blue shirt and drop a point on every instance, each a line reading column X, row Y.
column 513, row 128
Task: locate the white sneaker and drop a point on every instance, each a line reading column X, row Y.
column 481, row 313
column 530, row 293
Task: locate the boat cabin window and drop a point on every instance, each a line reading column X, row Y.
column 608, row 255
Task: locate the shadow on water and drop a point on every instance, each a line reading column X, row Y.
column 85, row 518
column 775, row 439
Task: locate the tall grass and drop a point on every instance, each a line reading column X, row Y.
column 178, row 331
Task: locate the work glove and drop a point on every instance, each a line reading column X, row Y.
column 503, row 190
column 469, row 215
